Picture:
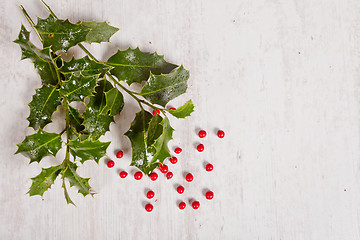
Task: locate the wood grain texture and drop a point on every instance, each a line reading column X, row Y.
column 280, row 77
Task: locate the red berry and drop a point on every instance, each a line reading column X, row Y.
column 209, row 167
column 164, row 168
column 189, row 177
column 180, row 189
column 149, row 207
column 200, row 147
column 123, row 174
column 195, row 205
column 182, row 205
column 169, row 175
column 172, row 108
column 178, row 150
column 173, row 160
column 202, row 134
column 221, row 134
column 150, row 194
column 209, row 195
column 119, row 154
column 138, row 175
column 110, row 163
column 153, row 176
column 156, row 111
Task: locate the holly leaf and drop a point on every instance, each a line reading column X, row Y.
column 39, row 145
column 60, row 34
column 84, row 66
column 78, row 87
column 99, row 31
column 75, row 180
column 76, row 119
column 43, row 105
column 155, row 129
column 88, row 150
column 160, row 147
column 66, row 194
column 183, row 111
column 132, row 65
column 160, row 89
column 97, row 124
column 137, row 134
column 44, row 180
column 41, row 58
column 114, row 102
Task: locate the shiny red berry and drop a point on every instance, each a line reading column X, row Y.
column 119, row 154
column 153, row 176
column 209, row 167
column 164, row 168
column 202, row 134
column 172, row 108
column 110, row 163
column 200, row 147
column 189, row 177
column 221, row 134
column 178, row 150
column 149, row 207
column 180, row 189
column 150, row 194
column 209, row 195
column 123, row 174
column 169, row 175
column 195, row 205
column 156, row 111
column 182, row 205
column 138, row 175
column 173, row 160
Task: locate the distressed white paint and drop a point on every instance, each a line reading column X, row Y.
column 281, row 77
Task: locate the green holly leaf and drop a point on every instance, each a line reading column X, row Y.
column 78, row 87
column 132, row 65
column 43, row 105
column 154, row 130
column 88, row 150
column 97, row 124
column 114, row 102
column 41, row 58
column 84, row 66
column 66, row 194
column 76, row 119
column 60, row 34
column 183, row 111
column 75, row 180
column 44, row 180
column 137, row 135
column 160, row 147
column 99, row 31
column 39, row 145
column 160, row 89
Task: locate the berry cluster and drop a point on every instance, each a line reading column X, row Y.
column 165, row 170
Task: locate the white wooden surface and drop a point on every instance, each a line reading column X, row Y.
column 281, row 77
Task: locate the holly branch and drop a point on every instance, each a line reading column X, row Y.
column 96, row 85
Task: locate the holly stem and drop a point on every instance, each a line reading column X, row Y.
column 48, row 8
column 67, row 128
